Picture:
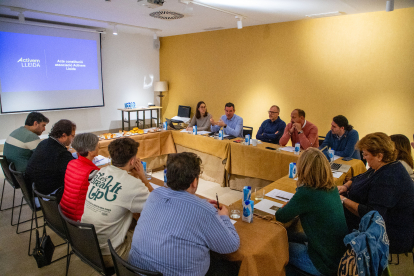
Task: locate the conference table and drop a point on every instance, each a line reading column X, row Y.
column 263, row 243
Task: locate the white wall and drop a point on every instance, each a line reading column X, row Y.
column 126, row 60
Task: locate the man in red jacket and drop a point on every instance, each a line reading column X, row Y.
column 300, row 131
column 78, row 174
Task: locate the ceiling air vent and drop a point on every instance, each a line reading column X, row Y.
column 166, row 15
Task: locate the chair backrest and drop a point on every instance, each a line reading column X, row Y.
column 82, row 237
column 321, row 139
column 25, row 188
column 184, row 111
column 6, row 171
column 51, row 214
column 123, row 268
column 247, row 130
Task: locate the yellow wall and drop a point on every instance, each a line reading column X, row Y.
column 360, row 66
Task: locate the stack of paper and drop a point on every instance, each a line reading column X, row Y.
column 280, row 195
column 337, row 174
column 184, row 119
column 289, row 149
column 154, row 186
column 268, row 206
column 100, row 160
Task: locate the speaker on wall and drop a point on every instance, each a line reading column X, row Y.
column 157, row 43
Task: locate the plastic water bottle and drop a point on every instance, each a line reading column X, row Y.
column 297, row 148
column 165, row 177
column 194, row 130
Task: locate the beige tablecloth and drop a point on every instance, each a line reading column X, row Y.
column 150, row 144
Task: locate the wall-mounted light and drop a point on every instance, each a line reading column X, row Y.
column 115, row 30
column 390, row 6
column 239, row 22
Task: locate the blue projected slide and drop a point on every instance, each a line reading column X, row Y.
column 47, row 63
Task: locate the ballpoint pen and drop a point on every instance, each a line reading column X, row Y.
column 218, row 204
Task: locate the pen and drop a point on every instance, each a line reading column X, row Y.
column 218, row 204
column 283, row 197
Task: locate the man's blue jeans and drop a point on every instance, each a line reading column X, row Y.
column 299, row 257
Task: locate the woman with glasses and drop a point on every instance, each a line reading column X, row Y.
column 386, row 187
column 317, row 203
column 201, row 119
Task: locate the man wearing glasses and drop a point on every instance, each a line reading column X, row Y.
column 271, row 129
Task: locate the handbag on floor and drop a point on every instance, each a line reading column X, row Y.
column 43, row 251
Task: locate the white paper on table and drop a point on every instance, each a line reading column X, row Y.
column 289, row 149
column 202, row 132
column 147, row 129
column 184, row 130
column 184, row 119
column 155, row 186
column 266, row 206
column 233, row 221
column 100, row 160
column 337, row 174
column 280, row 195
column 336, row 157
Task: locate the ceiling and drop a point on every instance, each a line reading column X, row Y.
column 130, row 13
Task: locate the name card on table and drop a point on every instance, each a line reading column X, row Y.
column 280, row 195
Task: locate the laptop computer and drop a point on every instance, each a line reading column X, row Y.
column 340, row 167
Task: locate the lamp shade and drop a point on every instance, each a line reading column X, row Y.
column 160, row 86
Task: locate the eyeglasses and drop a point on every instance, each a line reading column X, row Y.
column 272, row 112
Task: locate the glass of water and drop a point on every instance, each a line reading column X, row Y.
column 149, row 173
column 234, row 212
column 259, row 193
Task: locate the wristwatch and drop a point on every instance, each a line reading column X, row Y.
column 343, row 200
column 225, row 126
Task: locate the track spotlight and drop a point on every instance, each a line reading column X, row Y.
column 115, row 31
column 21, row 17
column 239, row 22
column 390, row 6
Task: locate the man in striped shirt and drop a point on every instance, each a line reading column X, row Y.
column 177, row 229
column 20, row 144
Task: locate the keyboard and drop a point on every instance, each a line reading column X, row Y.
column 335, row 166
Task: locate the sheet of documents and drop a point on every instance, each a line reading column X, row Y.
column 279, row 195
column 267, row 206
column 184, row 119
column 101, row 160
column 233, row 221
column 202, row 132
column 336, row 157
column 289, row 149
column 337, row 174
column 184, row 130
column 154, row 186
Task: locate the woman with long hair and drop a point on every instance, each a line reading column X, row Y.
column 403, row 147
column 201, row 119
column 318, row 251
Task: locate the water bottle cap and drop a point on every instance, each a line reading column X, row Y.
column 248, row 187
column 247, row 202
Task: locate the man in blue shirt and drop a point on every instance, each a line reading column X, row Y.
column 341, row 138
column 271, row 129
column 177, row 229
column 231, row 123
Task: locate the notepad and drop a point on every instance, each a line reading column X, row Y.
column 268, row 206
column 100, row 160
column 337, row 174
column 280, row 195
column 154, row 186
column 288, row 149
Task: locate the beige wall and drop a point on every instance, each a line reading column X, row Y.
column 360, row 66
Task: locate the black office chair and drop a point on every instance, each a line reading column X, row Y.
column 321, row 139
column 183, row 111
column 84, row 242
column 247, row 130
column 12, row 181
column 123, row 268
column 52, row 218
column 28, row 197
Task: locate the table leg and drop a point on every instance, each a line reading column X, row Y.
column 158, row 117
column 137, row 119
column 122, row 120
column 151, row 116
column 143, row 117
column 129, row 120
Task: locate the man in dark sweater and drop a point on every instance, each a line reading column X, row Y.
column 272, row 129
column 47, row 166
column 342, row 138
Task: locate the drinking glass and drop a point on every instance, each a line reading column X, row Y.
column 149, row 173
column 234, row 212
column 259, row 193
